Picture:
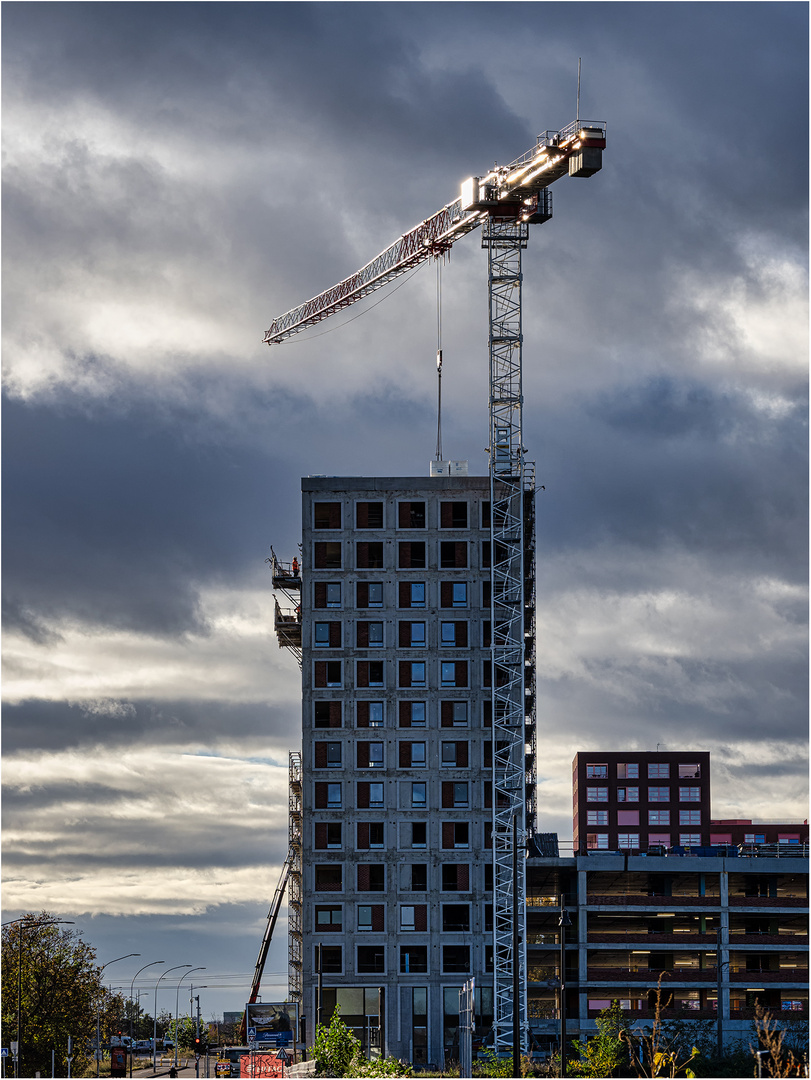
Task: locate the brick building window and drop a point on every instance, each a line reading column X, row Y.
column 327, row 673
column 453, row 673
column 412, row 714
column 327, row 796
column 369, row 635
column 689, row 817
column 453, row 635
column 454, row 755
column 371, row 959
column 411, row 555
column 689, row 771
column 411, row 594
column 412, row 755
column 331, row 959
column 453, row 714
column 370, row 834
column 369, row 515
column 329, row 877
column 370, row 673
column 453, row 515
column 597, row 841
column 596, row 794
column 456, row 918
column 455, row 877
column 329, row 917
column 411, row 635
column 327, row 635
column 327, row 555
column 628, row 771
column 326, row 515
column 662, row 838
column 369, row 594
column 690, row 839
column 327, row 714
column 628, row 794
column 370, row 755
column 455, row 958
column 453, row 594
column 627, row 817
column 658, row 771
column 371, row 877
column 658, row 817
column 413, row 959
column 327, row 594
column 370, row 714
column 628, row 841
column 455, row 834
column 658, row 794
column 327, row 755
column 689, row 794
column 414, row 917
column 452, row 554
column 412, row 673
column 411, row 515
column 327, row 835
column 372, row 917
column 369, row 794
column 597, row 772
column 369, row 554
column 454, row 794
column 596, row 817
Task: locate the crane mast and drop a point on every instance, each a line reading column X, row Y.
column 504, row 203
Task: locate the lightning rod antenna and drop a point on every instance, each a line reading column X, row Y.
column 578, row 92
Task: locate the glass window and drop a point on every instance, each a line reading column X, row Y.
column 418, row 673
column 418, row 755
column 417, row 593
column 597, row 772
column 459, row 594
column 596, row 794
column 375, row 635
column 448, row 673
column 364, row 916
column 658, row 794
column 460, row 714
column 628, row 840
column 417, row 635
column 658, row 817
column 658, row 771
column 375, row 794
column 597, row 841
column 376, row 714
column 418, row 714
column 333, row 594
column 407, row 917
column 375, row 594
column 596, row 817
column 460, row 794
column 419, row 834
column 689, row 794
column 377, row 834
column 328, row 917
column 333, row 795
column 321, row 635
column 375, row 755
column 690, row 839
column 447, row 633
column 333, row 834
column 628, row 794
column 333, row 755
column 419, row 793
column 448, row 756
column 689, row 817
column 689, row 771
column 628, row 771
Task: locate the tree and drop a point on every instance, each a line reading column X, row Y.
column 335, row 1047
column 182, row 1032
column 60, row 993
column 605, row 1052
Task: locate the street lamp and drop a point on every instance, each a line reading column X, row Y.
column 177, row 967
column 26, row 924
column 563, row 922
column 98, row 1010
column 132, row 985
column 177, row 1002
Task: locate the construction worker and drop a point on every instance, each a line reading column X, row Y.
column 295, row 567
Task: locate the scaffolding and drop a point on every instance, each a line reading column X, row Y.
column 286, row 577
column 294, row 894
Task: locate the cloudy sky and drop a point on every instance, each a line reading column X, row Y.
column 176, row 175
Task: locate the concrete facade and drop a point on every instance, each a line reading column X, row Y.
column 396, row 860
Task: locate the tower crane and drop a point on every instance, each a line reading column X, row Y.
column 503, row 203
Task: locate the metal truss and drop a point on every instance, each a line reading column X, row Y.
column 504, row 241
column 294, row 899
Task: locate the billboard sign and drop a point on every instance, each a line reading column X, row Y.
column 272, row 1023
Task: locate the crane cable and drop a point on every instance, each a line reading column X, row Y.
column 439, row 359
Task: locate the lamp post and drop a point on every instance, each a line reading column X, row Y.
column 719, row 984
column 177, row 1002
column 132, row 986
column 98, row 1010
column 177, row 967
column 563, row 922
column 26, row 923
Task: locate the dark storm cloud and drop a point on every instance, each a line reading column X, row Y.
column 117, row 519
column 61, row 725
